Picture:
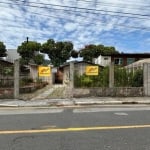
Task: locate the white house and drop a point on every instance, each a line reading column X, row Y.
column 12, row 55
column 103, row 60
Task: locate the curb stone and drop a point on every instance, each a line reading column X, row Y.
column 73, row 102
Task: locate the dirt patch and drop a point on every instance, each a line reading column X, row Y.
column 29, row 96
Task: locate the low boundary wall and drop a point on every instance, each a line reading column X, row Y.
column 6, row 93
column 108, row 92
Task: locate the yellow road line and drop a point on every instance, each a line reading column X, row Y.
column 73, row 129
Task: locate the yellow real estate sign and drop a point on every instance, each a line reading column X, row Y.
column 91, row 70
column 44, row 71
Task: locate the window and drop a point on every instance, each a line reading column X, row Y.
column 118, row 61
column 130, row 60
column 105, row 58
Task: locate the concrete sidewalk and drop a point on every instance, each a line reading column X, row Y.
column 74, row 102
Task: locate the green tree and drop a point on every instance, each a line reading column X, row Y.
column 39, row 59
column 58, row 52
column 93, row 51
column 88, row 52
column 2, row 50
column 29, row 51
column 74, row 54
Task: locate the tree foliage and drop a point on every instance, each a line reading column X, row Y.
column 39, row 59
column 29, row 51
column 74, row 54
column 2, row 50
column 58, row 52
column 93, row 51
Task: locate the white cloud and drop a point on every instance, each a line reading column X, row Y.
column 70, row 26
column 47, row 19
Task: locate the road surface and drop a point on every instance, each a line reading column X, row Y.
column 91, row 128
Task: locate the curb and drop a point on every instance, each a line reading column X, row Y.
column 112, row 103
column 7, row 105
column 73, row 103
column 97, row 103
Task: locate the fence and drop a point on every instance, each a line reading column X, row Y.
column 122, row 78
column 6, row 80
column 111, row 81
column 30, row 81
column 16, row 79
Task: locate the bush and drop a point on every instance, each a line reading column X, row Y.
column 26, row 81
column 122, row 78
column 137, row 78
column 102, row 80
column 38, row 80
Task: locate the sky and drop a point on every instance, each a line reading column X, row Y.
column 119, row 23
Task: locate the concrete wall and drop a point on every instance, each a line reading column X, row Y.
column 146, row 79
column 6, row 93
column 79, row 68
column 104, row 92
column 34, row 74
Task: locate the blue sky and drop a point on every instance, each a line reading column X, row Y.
column 122, row 24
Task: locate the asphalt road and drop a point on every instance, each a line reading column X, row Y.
column 97, row 128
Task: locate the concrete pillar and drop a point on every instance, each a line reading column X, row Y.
column 146, row 79
column 71, row 78
column 111, row 75
column 16, row 79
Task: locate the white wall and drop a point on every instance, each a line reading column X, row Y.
column 12, row 55
column 103, row 60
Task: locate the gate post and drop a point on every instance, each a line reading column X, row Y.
column 71, row 84
column 146, row 78
column 111, row 75
column 16, row 79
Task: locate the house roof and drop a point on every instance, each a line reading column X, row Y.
column 139, row 63
column 78, row 62
column 5, row 61
column 143, row 55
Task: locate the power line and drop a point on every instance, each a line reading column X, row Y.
column 128, row 2
column 137, row 3
column 76, row 11
column 101, row 23
column 58, row 17
column 80, row 8
column 83, row 12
